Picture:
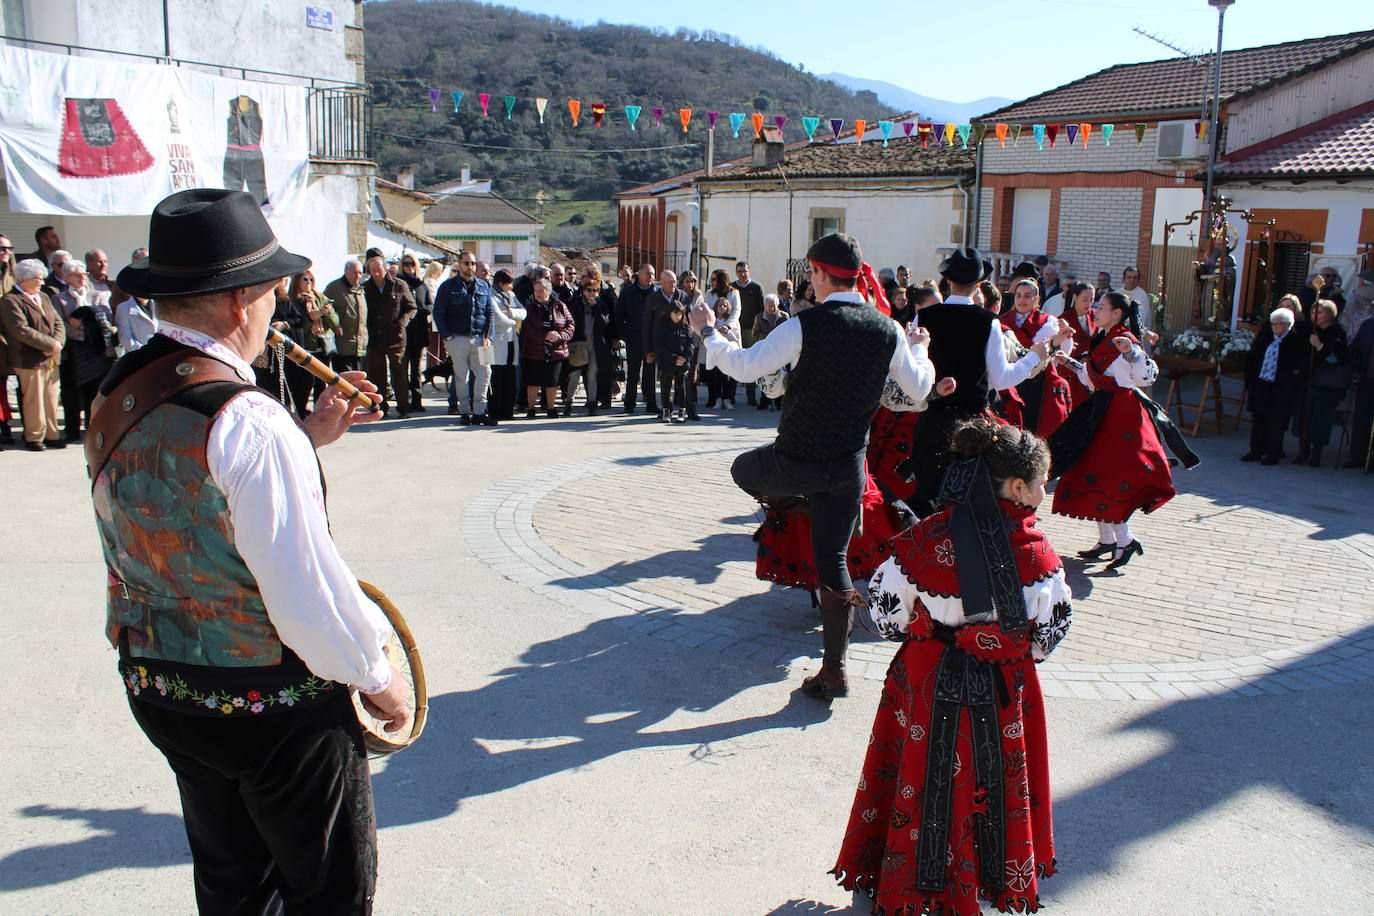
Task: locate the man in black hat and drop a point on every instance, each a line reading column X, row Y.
column 965, row 345
column 842, row 352
column 238, row 624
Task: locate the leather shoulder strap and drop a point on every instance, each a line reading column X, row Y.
column 112, row 417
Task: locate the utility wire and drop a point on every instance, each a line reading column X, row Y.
column 533, row 149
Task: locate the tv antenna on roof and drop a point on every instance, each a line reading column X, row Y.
column 1181, row 52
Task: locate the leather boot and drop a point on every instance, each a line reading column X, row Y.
column 837, row 620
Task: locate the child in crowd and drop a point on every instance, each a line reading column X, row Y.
column 673, row 356
column 720, row 388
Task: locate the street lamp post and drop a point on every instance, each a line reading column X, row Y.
column 1214, row 127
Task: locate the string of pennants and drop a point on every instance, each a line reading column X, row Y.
column 940, row 134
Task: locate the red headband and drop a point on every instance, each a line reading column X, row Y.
column 868, row 284
column 843, row 273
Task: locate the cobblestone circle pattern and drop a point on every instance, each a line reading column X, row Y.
column 661, row 543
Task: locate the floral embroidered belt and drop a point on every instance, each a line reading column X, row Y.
column 212, row 691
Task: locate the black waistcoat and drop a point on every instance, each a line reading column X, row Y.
column 836, row 382
column 958, row 347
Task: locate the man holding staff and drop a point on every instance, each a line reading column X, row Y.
column 238, row 624
column 841, row 352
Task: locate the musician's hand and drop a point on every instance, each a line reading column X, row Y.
column 945, row 387
column 334, row 413
column 700, row 316
column 918, row 336
column 389, row 705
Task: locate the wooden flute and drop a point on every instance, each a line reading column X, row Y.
column 301, row 357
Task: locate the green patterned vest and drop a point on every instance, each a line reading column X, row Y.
column 183, row 608
column 179, row 590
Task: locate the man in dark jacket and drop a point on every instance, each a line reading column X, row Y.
column 463, row 315
column 656, row 304
column 390, row 306
column 750, row 305
column 1362, row 361
column 417, row 334
column 629, row 322
column 1275, row 378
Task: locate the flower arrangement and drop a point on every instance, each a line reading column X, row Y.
column 1237, row 342
column 1193, row 343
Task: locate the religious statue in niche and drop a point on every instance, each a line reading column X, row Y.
column 98, row 141
column 243, row 163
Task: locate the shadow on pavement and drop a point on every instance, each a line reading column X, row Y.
column 1313, row 745
column 128, row 838
column 570, row 702
column 802, row 907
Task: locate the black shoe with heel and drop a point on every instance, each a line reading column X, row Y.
column 1122, row 555
column 1098, row 552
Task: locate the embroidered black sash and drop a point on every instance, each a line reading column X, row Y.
column 988, row 577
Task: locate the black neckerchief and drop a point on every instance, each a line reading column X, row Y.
column 988, row 578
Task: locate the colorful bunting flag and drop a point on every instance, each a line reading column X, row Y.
column 685, row 116
column 1053, row 131
column 485, row 99
column 457, row 97
column 1073, row 132
column 925, row 129
column 539, row 106
column 1197, row 129
column 809, row 125
column 574, row 109
column 937, row 133
column 1001, row 131
column 711, row 118
column 510, row 106
column 885, row 128
column 1202, row 131
column 835, row 126
column 1087, row 131
column 779, row 121
column 1140, row 132
column 632, row 115
column 964, row 130
column 1107, row 130
column 598, row 113
column 1015, row 133
column 859, row 125
column 658, row 117
column 1039, row 130
column 434, row 99
column 757, row 120
column 908, row 127
column 736, row 121
column 950, row 130
column 980, row 130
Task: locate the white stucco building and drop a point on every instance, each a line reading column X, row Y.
column 318, row 46
column 490, row 226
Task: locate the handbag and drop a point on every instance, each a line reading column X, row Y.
column 1332, row 375
column 327, row 343
column 578, row 353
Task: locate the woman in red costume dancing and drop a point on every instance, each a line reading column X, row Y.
column 1109, row 455
column 1044, row 398
column 954, row 803
column 1078, row 314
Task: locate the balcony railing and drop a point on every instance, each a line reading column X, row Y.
column 340, row 124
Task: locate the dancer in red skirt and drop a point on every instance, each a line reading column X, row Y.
column 1109, row 455
column 1078, row 314
column 1044, row 398
column 954, row 803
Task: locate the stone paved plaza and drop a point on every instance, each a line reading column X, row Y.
column 614, row 721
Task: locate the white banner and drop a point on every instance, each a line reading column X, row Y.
column 82, row 136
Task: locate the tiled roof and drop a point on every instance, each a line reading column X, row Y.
column 870, row 159
column 406, row 192
column 573, row 259
column 1181, row 83
column 1344, row 149
column 393, row 226
column 472, row 207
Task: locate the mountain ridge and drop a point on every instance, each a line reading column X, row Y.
column 904, row 99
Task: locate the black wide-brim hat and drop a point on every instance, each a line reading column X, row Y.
column 965, row 265
column 208, row 240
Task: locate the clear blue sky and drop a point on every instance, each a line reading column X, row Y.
column 1016, row 48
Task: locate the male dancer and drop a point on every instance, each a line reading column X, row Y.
column 966, row 345
column 841, row 352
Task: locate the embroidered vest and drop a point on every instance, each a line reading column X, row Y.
column 1103, row 354
column 837, row 381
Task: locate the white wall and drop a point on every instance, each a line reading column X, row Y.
column 892, row 228
column 1173, row 205
column 256, row 34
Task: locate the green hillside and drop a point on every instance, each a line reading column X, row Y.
column 473, row 47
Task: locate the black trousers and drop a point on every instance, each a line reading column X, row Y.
column 415, row 350
column 833, row 489
column 719, row 386
column 1271, row 410
column 246, row 167
column 672, row 385
column 1363, row 418
column 278, row 808
column 501, row 404
column 382, row 364
column 639, row 375
column 70, row 394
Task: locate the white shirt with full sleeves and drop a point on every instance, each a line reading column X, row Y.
column 1130, row 370
column 910, row 367
column 266, row 467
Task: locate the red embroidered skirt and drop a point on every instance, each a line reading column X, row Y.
column 1124, row 468
column 889, row 444
column 879, row 850
column 784, row 553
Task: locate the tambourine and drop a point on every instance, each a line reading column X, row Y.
column 404, row 655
